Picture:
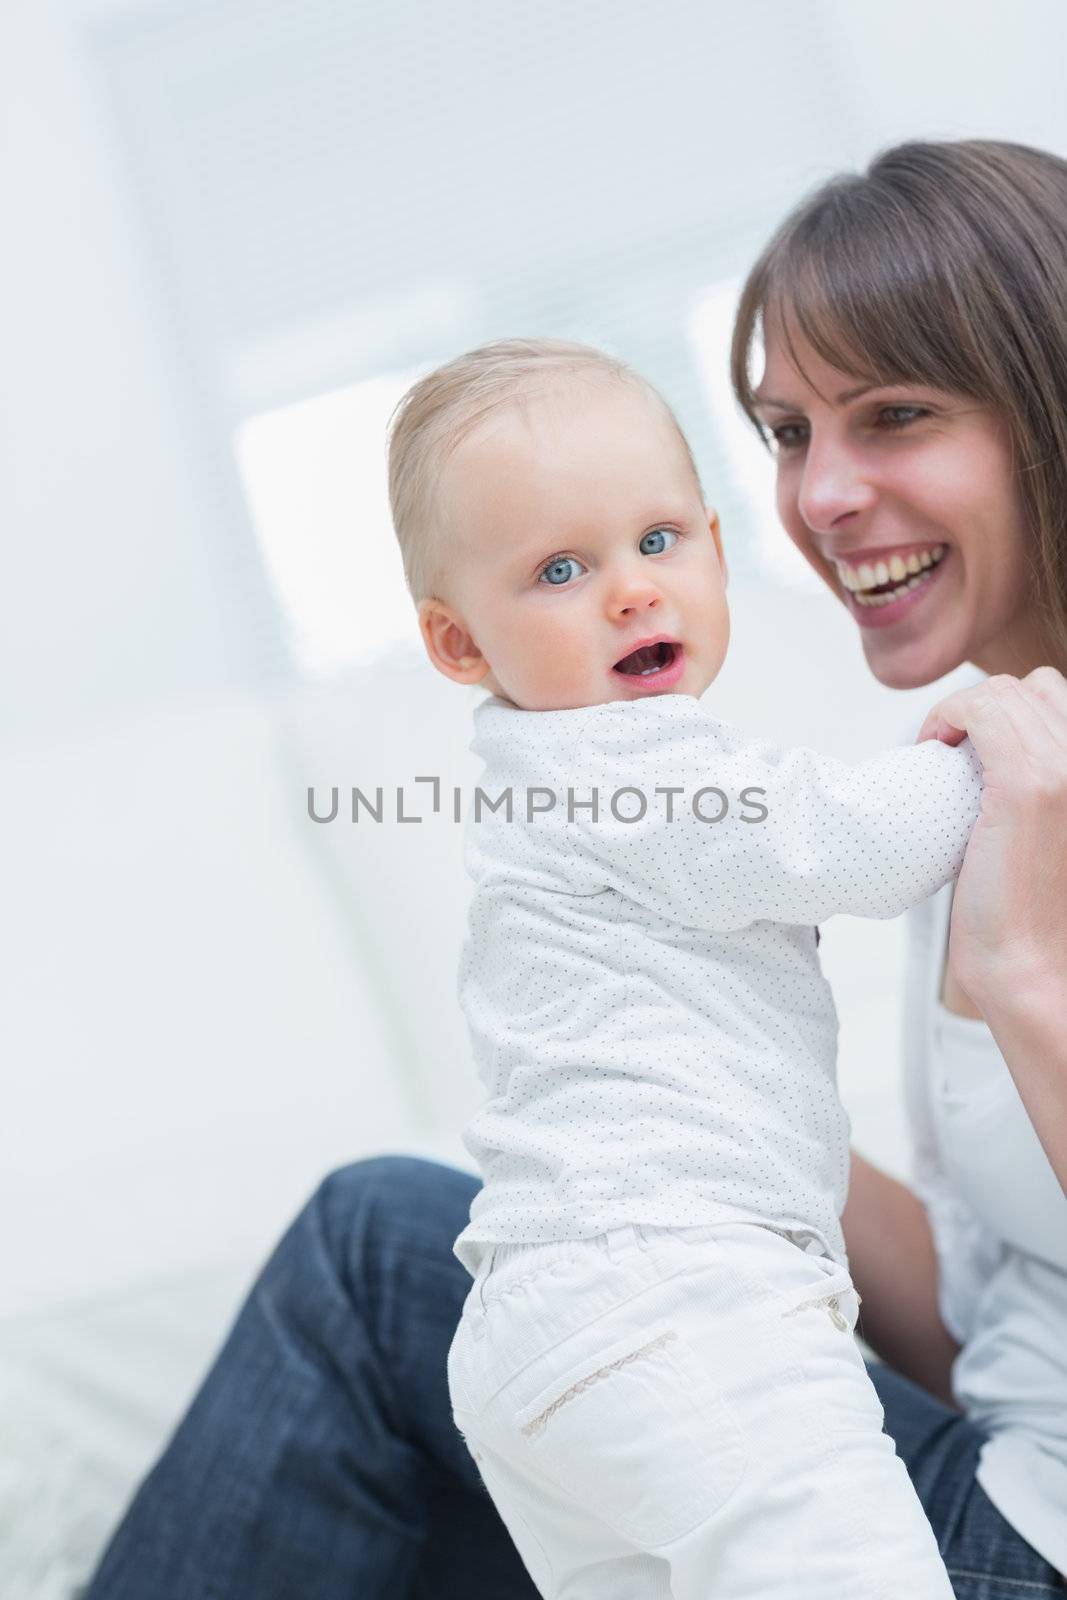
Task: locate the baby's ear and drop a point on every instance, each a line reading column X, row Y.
column 716, row 534
column 449, row 643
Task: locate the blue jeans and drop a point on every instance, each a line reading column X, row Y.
column 320, row 1461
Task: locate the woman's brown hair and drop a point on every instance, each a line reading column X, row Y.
column 944, row 264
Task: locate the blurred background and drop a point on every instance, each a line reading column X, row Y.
column 234, row 233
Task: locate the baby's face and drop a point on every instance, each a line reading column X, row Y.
column 585, row 565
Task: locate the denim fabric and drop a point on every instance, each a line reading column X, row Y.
column 320, row 1461
column 985, row 1557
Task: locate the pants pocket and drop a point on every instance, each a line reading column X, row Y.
column 819, row 1331
column 798, row 1282
column 636, row 1434
column 816, row 1309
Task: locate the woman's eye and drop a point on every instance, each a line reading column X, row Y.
column 560, row 570
column 658, row 540
column 900, row 416
column 789, row 435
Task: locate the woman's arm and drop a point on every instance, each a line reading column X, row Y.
column 1008, row 940
column 1029, row 1023
column 894, row 1267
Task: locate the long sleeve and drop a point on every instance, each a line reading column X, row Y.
column 870, row 840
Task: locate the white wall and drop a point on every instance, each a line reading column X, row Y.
column 954, row 69
column 111, row 584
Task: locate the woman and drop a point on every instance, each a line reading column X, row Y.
column 915, row 394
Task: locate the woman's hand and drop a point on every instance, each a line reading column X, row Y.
column 1008, row 939
column 1009, row 915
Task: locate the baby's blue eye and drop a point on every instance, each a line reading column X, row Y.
column 560, row 571
column 658, row 540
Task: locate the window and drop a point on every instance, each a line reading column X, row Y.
column 745, row 459
column 315, row 477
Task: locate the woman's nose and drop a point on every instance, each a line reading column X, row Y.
column 834, row 487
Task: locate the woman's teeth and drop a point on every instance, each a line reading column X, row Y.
column 867, row 582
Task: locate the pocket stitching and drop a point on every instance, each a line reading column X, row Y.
column 574, row 1375
column 730, row 1462
column 538, row 1423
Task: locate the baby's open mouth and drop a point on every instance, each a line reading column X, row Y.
column 649, row 658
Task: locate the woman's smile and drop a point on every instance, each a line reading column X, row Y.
column 876, row 576
column 884, row 587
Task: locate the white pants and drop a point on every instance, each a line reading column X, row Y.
column 685, row 1413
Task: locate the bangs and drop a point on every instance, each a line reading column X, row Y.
column 858, row 280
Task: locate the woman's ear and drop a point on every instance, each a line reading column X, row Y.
column 449, row 643
column 716, row 534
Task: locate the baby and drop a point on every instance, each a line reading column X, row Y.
column 655, row 1369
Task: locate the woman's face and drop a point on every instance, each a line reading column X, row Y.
column 907, row 492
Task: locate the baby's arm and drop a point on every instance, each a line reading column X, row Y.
column 870, row 839
column 875, row 838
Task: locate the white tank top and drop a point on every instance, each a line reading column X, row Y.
column 1011, row 1375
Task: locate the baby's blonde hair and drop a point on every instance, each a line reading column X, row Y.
column 445, row 407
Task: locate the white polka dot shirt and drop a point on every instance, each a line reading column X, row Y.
column 647, row 1010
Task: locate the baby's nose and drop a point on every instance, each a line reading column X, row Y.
column 632, row 596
